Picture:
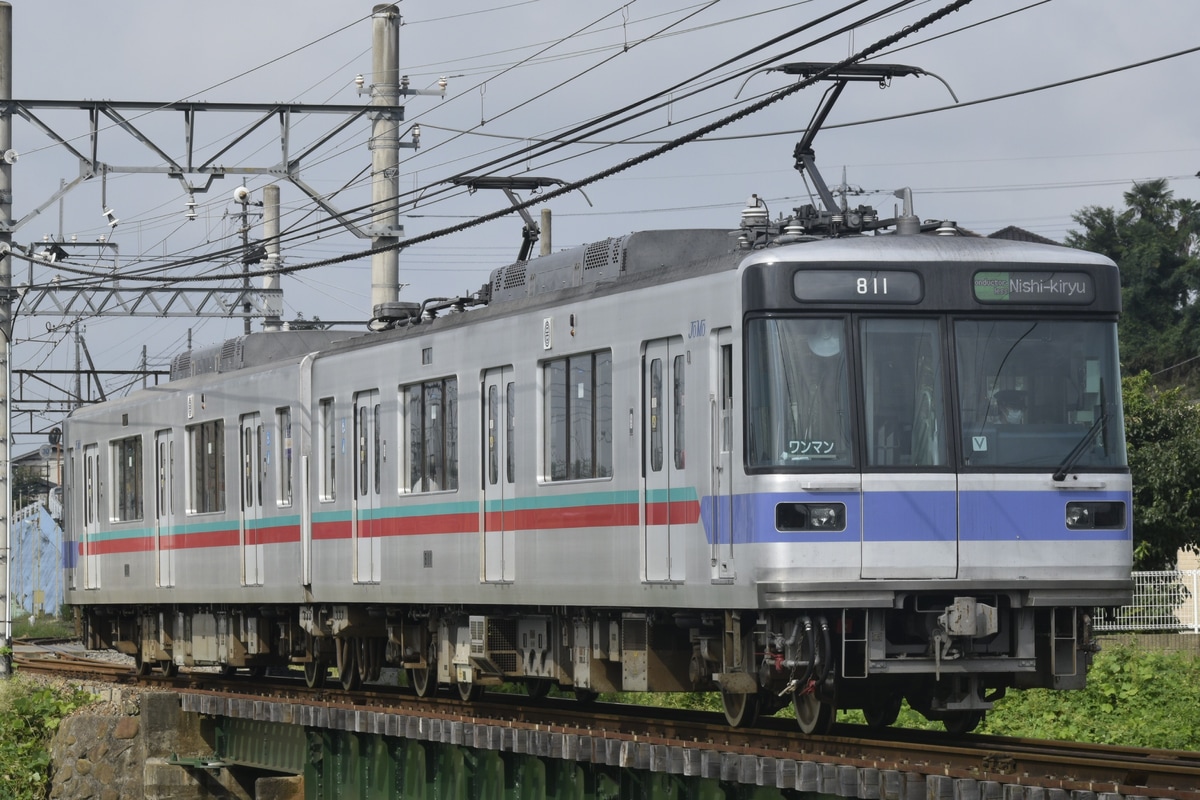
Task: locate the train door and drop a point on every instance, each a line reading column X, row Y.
column 91, row 516
column 164, row 506
column 910, row 498
column 663, row 387
column 368, row 553
column 721, row 433
column 251, row 482
column 499, row 478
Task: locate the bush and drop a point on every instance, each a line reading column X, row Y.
column 1134, row 697
column 29, row 716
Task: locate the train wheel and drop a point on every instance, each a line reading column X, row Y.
column 585, row 696
column 741, row 710
column 812, row 714
column 169, row 668
column 369, row 660
column 957, row 722
column 881, row 711
column 141, row 666
column 469, row 692
column 537, row 688
column 314, row 673
column 422, row 682
column 347, row 671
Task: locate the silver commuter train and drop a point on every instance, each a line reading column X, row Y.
column 834, row 472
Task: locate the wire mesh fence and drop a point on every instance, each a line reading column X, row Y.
column 1163, row 600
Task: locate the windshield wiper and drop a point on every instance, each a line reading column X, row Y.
column 1080, row 448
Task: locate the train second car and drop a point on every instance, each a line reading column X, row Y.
column 836, row 472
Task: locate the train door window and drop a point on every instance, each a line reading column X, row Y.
column 164, row 469
column 903, row 395
column 493, row 451
column 127, row 478
column 578, row 420
column 656, row 409
column 283, row 456
column 726, row 366
column 677, row 375
column 368, row 438
column 252, row 461
column 431, row 427
column 206, row 444
column 510, row 412
column 378, row 436
column 329, row 448
column 91, row 489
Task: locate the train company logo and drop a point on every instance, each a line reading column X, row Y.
column 1034, row 287
column 699, row 329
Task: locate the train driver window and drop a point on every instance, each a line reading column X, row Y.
column 797, row 394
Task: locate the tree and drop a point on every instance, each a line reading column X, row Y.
column 1162, row 434
column 1156, row 243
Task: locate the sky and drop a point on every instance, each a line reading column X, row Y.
column 521, row 72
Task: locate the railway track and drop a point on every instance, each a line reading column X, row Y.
column 1068, row 766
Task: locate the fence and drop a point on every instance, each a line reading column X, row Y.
column 1165, row 600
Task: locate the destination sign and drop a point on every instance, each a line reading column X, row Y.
column 1000, row 286
column 857, row 286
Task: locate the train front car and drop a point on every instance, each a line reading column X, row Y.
column 936, row 496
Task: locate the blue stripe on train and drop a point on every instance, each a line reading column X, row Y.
column 985, row 516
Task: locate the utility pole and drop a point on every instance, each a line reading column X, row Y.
column 385, row 155
column 242, row 196
column 6, row 328
column 270, row 282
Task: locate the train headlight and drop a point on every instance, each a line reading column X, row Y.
column 1090, row 515
column 810, row 517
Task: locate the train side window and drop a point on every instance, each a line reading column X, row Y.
column 329, row 448
column 431, row 431
column 128, row 478
column 578, row 419
column 206, row 444
column 283, row 458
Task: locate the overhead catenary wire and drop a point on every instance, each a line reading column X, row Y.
column 232, row 252
column 627, row 164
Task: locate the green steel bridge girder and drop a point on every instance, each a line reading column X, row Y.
column 348, row 765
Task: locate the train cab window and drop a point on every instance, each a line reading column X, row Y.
column 127, row 479
column 578, row 421
column 798, row 413
column 430, row 432
column 330, row 441
column 283, row 456
column 206, row 484
column 903, row 393
column 1040, row 394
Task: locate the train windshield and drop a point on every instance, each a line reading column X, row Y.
column 1035, row 394
column 1039, row 394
